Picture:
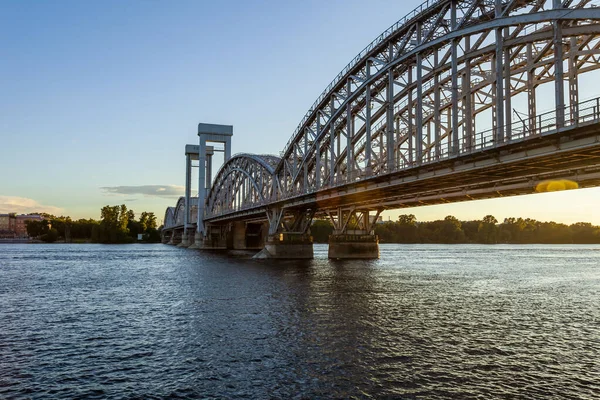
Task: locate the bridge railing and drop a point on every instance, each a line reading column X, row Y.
column 546, row 123
column 543, row 124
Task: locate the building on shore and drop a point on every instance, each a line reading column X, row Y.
column 13, row 226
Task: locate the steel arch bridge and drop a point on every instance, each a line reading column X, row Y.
column 448, row 104
column 175, row 216
column 245, row 179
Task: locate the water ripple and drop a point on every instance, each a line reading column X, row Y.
column 424, row 321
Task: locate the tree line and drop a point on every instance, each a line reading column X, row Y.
column 486, row 231
column 117, row 224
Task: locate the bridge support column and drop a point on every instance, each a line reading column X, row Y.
column 187, row 238
column 248, row 235
column 256, row 235
column 208, row 133
column 176, row 237
column 215, row 239
column 238, row 232
column 189, row 153
column 165, row 236
column 288, row 236
column 353, row 235
column 288, row 246
column 184, row 239
column 198, row 240
column 353, row 246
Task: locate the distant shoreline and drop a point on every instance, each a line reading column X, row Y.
column 20, row 241
column 36, row 241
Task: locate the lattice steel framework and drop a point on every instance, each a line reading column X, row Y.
column 422, row 91
column 439, row 84
column 246, row 180
column 174, row 216
column 169, row 220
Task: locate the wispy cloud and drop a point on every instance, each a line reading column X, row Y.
column 146, row 190
column 23, row 205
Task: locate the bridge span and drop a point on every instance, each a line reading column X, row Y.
column 459, row 100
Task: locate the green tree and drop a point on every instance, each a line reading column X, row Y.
column 51, row 236
column 320, row 230
column 451, row 230
column 528, row 230
column 151, row 222
column 113, row 225
column 134, row 228
column 585, row 233
column 109, row 216
column 407, row 219
column 509, row 230
column 82, row 229
column 147, row 221
column 152, row 235
column 487, row 231
column 36, row 228
column 130, row 214
column 406, row 231
column 471, row 230
column 123, row 218
column 143, row 221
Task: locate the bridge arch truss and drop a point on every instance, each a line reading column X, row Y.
column 442, row 83
column 169, row 219
column 245, row 181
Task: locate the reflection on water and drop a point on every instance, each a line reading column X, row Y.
column 424, row 321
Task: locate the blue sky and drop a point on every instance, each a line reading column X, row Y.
column 100, row 95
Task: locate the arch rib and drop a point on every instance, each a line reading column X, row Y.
column 244, row 181
column 331, row 120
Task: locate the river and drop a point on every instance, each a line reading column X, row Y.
column 424, row 321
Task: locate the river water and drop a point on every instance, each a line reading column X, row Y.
column 424, row 321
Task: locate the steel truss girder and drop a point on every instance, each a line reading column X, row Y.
column 477, row 88
column 244, row 181
column 176, row 215
column 351, row 218
column 416, row 95
column 294, row 221
column 169, row 219
column 329, row 133
column 179, row 211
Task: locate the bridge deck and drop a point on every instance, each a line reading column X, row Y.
column 511, row 169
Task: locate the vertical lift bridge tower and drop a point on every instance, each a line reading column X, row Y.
column 208, row 133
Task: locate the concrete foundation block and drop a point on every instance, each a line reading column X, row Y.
column 287, row 246
column 289, row 251
column 184, row 241
column 353, row 247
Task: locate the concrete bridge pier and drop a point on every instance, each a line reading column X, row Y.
column 176, row 237
column 184, row 239
column 166, row 236
column 248, row 235
column 290, row 245
column 188, row 237
column 238, row 235
column 353, row 246
column 288, row 236
column 354, row 235
column 215, row 238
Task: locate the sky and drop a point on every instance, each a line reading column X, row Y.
column 99, row 99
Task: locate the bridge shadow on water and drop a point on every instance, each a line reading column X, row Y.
column 411, row 323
